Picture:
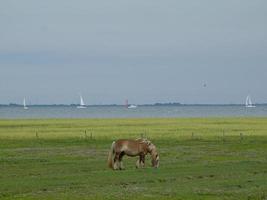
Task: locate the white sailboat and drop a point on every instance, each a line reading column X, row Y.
column 249, row 103
column 131, row 106
column 24, row 104
column 82, row 104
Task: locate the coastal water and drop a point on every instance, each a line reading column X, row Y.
column 16, row 112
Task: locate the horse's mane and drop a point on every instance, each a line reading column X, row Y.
column 144, row 140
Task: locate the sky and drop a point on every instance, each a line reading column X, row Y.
column 205, row 52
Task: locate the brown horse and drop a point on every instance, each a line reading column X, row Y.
column 138, row 147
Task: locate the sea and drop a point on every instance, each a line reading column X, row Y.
column 142, row 111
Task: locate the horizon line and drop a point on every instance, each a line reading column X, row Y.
column 145, row 104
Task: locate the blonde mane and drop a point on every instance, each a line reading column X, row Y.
column 144, row 140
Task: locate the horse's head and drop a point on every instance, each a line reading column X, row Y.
column 154, row 155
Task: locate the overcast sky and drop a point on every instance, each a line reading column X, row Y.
column 147, row 51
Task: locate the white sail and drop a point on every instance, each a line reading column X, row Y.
column 24, row 104
column 81, row 101
column 82, row 104
column 249, row 102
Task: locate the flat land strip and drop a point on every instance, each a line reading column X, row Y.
column 200, row 158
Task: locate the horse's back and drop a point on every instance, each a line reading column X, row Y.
column 128, row 146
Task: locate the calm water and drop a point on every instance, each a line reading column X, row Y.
column 9, row 112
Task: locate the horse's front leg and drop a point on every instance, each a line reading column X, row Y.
column 142, row 160
column 116, row 161
column 120, row 161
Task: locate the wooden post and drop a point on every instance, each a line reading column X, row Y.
column 192, row 135
column 85, row 134
column 241, row 136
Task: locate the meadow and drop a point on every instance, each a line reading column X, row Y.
column 200, row 158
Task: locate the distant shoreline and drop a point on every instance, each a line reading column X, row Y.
column 120, row 105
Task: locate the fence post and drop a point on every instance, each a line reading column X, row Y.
column 241, row 136
column 85, row 134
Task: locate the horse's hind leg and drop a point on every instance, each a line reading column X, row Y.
column 137, row 165
column 120, row 161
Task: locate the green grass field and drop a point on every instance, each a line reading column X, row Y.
column 203, row 158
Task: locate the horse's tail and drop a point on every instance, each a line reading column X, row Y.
column 110, row 156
